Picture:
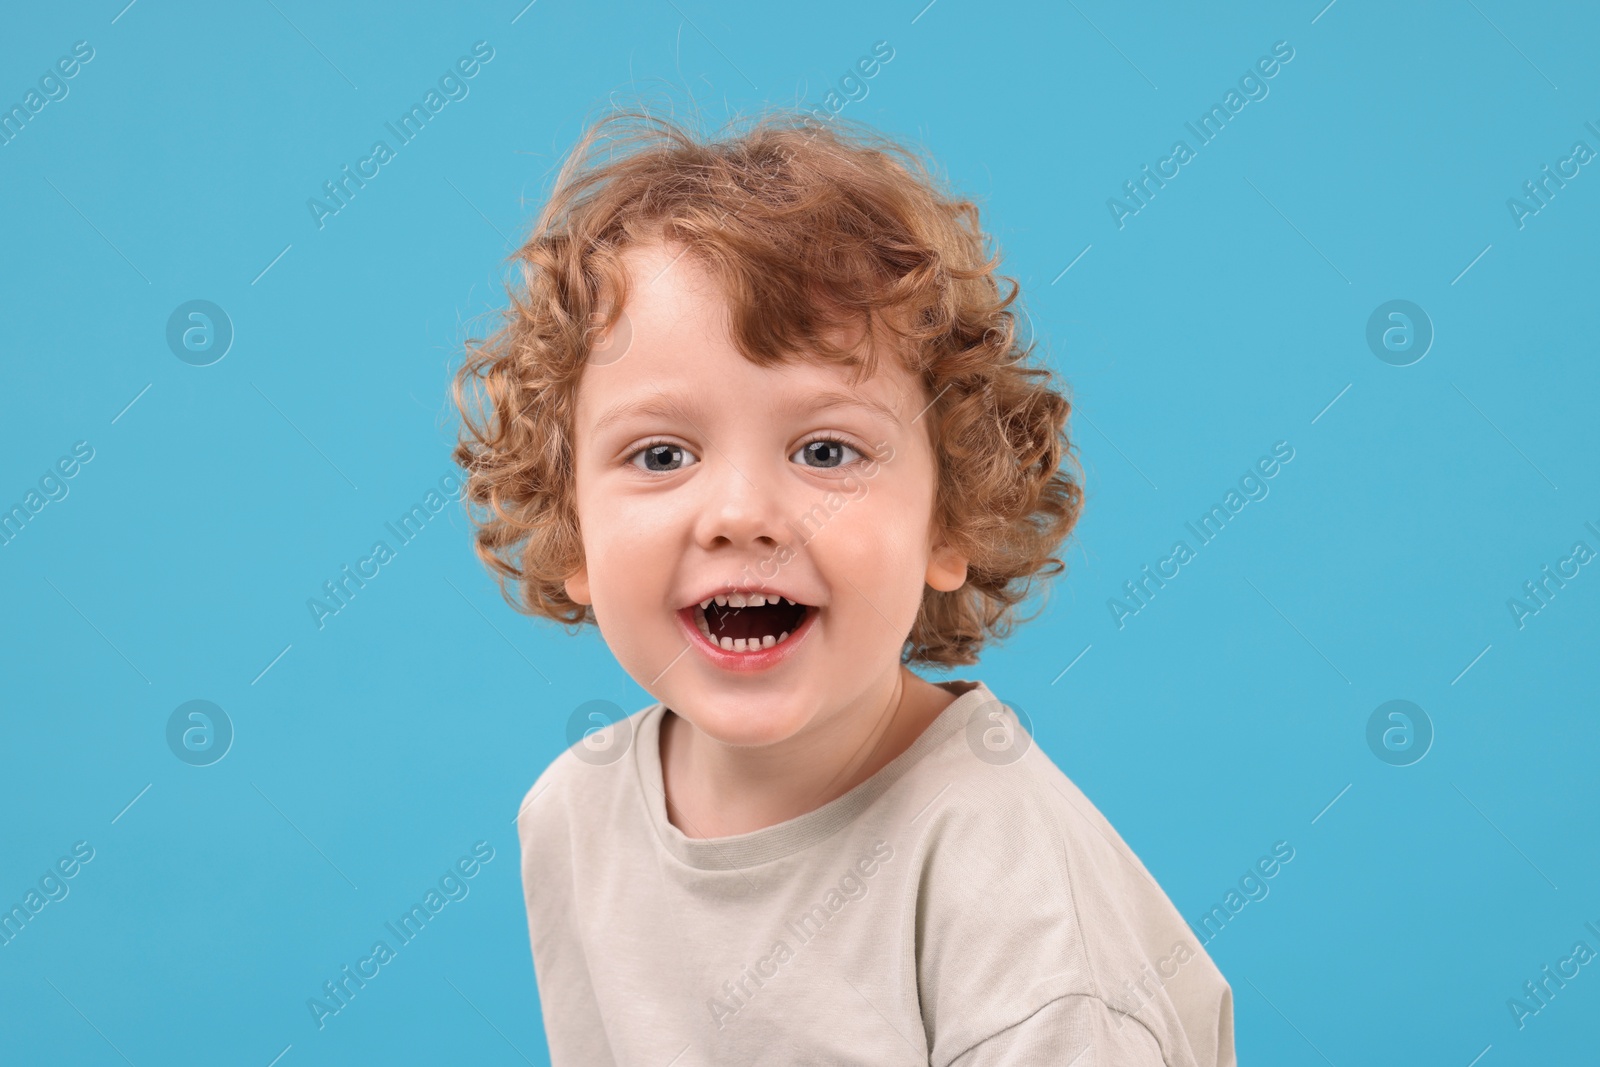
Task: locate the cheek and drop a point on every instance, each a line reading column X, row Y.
column 879, row 541
column 633, row 548
column 634, row 542
column 880, row 507
column 625, row 540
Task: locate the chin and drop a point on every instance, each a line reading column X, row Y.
column 741, row 719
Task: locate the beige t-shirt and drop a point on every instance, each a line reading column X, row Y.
column 966, row 906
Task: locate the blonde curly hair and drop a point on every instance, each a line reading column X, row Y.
column 809, row 227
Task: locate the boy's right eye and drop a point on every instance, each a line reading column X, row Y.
column 663, row 457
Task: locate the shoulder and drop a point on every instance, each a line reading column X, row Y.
column 587, row 779
column 1000, row 798
column 1005, row 810
column 1028, row 895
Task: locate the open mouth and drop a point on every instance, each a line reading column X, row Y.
column 748, row 622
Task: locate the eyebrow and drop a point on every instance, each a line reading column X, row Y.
column 663, row 406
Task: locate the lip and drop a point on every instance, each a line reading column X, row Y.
column 744, row 662
column 730, row 589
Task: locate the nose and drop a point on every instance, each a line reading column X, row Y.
column 742, row 507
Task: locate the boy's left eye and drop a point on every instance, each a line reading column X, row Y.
column 826, row 450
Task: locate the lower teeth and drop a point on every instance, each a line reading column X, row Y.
column 736, row 644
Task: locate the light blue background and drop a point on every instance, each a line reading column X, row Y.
column 1223, row 317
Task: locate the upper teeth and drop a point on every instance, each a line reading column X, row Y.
column 745, row 600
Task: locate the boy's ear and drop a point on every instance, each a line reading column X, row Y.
column 578, row 586
column 947, row 569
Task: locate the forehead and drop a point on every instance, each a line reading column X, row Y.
column 674, row 336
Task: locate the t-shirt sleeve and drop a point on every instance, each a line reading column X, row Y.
column 1037, row 926
column 1075, row 1030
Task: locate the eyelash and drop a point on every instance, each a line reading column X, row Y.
column 848, row 442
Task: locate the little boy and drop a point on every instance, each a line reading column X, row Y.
column 759, row 412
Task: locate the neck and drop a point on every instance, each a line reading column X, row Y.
column 718, row 790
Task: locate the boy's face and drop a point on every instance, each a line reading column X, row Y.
column 761, row 487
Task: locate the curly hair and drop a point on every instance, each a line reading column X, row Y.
column 809, row 227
